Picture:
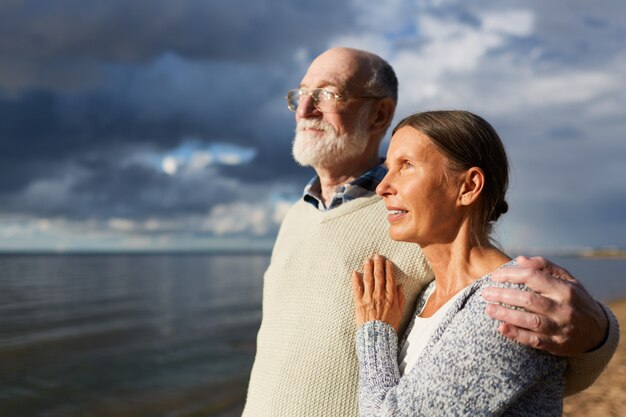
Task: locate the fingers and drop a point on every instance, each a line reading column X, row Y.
column 368, row 280
column 560, row 315
column 526, row 328
column 535, row 323
column 537, row 264
column 379, row 280
column 539, row 281
column 357, row 287
column 533, row 302
column 553, row 270
column 370, row 300
column 400, row 295
column 375, row 290
column 390, row 284
column 525, row 337
column 357, row 290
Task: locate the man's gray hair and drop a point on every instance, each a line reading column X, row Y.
column 383, row 81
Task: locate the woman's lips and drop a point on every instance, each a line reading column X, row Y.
column 395, row 214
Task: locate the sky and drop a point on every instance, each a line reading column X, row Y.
column 162, row 125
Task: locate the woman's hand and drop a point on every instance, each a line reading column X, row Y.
column 376, row 296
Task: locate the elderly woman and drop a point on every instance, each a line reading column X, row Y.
column 446, row 185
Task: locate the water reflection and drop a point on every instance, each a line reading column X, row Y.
column 122, row 332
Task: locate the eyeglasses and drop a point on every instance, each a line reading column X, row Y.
column 324, row 100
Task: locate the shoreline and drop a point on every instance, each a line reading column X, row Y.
column 607, row 396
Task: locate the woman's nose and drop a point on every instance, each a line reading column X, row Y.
column 384, row 187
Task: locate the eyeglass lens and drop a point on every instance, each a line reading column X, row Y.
column 323, row 100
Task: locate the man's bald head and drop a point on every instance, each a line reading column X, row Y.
column 370, row 73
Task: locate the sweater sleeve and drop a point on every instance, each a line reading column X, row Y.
column 467, row 368
column 377, row 351
column 583, row 370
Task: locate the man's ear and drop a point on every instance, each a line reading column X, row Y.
column 472, row 186
column 381, row 115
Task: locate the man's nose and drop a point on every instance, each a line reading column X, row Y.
column 306, row 108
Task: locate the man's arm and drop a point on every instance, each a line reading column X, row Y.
column 561, row 317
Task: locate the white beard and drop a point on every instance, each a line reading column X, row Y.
column 328, row 149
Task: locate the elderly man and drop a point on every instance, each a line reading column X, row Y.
column 306, row 363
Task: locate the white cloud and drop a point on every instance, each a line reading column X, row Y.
column 255, row 218
column 532, row 81
column 194, row 156
column 371, row 42
column 380, row 16
column 121, row 225
column 230, row 158
column 510, row 22
column 567, row 87
column 200, row 160
column 450, row 49
column 237, row 218
column 169, row 165
column 280, row 210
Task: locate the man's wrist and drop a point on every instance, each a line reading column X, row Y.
column 603, row 324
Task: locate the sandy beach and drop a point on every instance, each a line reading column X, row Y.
column 607, row 396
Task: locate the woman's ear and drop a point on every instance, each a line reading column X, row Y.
column 472, row 186
column 381, row 115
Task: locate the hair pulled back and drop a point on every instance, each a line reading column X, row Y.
column 467, row 141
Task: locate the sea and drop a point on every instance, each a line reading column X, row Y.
column 158, row 335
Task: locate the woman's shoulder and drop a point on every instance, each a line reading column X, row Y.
column 472, row 304
column 485, row 281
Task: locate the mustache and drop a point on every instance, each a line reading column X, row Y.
column 313, row 124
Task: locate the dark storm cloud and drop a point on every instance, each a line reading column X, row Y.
column 83, row 85
column 213, row 103
column 67, row 40
column 94, row 94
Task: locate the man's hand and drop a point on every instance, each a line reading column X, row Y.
column 561, row 317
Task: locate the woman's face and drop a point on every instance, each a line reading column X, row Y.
column 421, row 199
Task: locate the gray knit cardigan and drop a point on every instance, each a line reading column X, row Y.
column 467, row 369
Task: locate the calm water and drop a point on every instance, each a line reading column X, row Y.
column 127, row 335
column 159, row 335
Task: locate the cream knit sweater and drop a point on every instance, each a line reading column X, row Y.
column 306, row 363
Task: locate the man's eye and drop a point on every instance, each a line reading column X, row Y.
column 326, row 95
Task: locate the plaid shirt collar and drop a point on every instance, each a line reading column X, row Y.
column 363, row 186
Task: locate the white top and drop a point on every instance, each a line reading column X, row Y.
column 420, row 334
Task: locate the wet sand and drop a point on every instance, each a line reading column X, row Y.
column 607, row 396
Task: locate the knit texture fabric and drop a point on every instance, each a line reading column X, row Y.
column 467, row 369
column 584, row 369
column 306, row 364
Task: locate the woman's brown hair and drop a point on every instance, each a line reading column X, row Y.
column 468, row 140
